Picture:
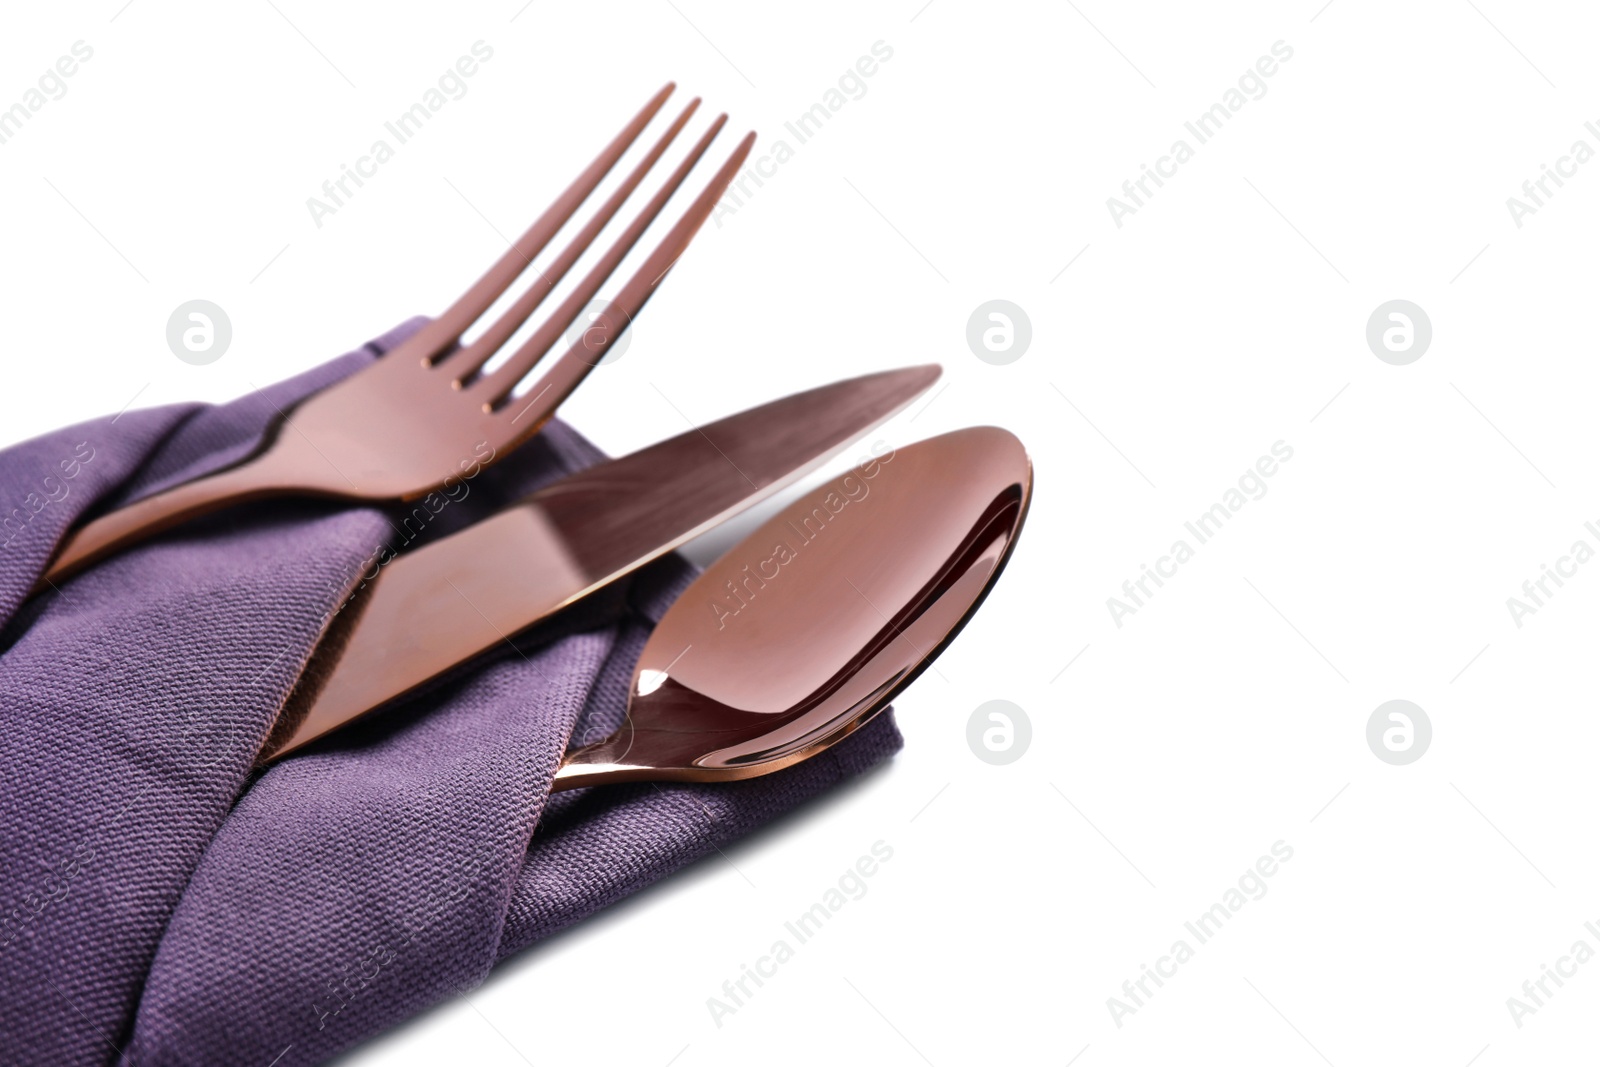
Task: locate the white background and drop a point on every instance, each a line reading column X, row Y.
column 1227, row 314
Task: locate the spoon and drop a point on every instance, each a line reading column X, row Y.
column 805, row 630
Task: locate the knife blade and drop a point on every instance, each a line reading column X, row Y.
column 439, row 605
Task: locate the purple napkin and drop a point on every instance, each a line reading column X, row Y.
column 160, row 904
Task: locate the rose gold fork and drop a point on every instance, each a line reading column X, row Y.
column 402, row 427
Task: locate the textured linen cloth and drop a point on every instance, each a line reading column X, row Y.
column 159, row 904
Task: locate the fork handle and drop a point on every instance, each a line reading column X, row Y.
column 255, row 479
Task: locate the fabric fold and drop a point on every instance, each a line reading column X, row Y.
column 162, row 905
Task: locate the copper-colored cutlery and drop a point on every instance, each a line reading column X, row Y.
column 443, row 603
column 400, row 428
column 811, row 625
column 790, row 642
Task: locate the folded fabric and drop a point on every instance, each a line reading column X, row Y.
column 161, row 904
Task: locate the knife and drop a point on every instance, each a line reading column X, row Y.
column 441, row 604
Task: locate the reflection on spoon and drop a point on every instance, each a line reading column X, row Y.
column 805, row 630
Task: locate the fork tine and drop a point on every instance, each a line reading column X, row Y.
column 575, row 364
column 470, row 360
column 437, row 336
column 494, row 387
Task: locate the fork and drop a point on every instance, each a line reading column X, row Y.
column 402, row 427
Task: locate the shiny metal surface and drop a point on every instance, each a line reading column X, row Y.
column 405, row 426
column 809, row 627
column 446, row 602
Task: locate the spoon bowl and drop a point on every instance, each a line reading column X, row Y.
column 808, row 628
